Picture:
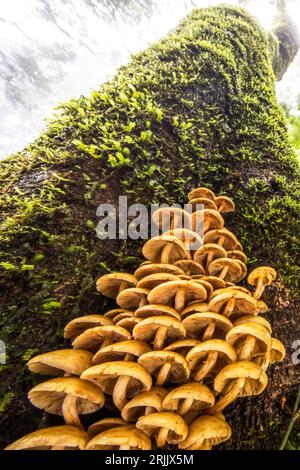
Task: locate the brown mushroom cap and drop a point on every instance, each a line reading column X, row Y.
column 222, row 237
column 144, row 404
column 228, row 269
column 165, row 426
column 169, row 328
column 168, row 218
column 194, row 307
column 190, row 267
column 101, row 336
column 206, row 432
column 224, row 204
column 215, row 281
column 132, row 298
column 111, row 284
column 122, row 438
column 182, row 346
column 58, row 437
column 50, row 395
column 128, row 323
column 124, row 350
column 122, row 315
column 255, row 379
column 209, row 249
column 105, row 424
column 165, row 249
column 266, row 273
column 56, row 363
column 278, row 352
column 206, row 203
column 207, row 286
column 212, row 220
column 236, row 254
column 230, row 288
column 190, row 396
column 248, row 339
column 112, row 314
column 197, row 324
column 166, row 366
column 153, row 280
column 156, row 268
column 78, row 325
column 202, row 192
column 156, row 310
column 191, row 239
column 233, row 302
column 258, row 320
column 177, row 292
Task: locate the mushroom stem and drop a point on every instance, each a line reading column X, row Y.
column 149, row 410
column 190, row 416
column 260, row 287
column 180, row 299
column 163, row 374
column 70, row 412
column 209, row 332
column 159, row 338
column 245, row 352
column 220, row 209
column 209, row 259
column 162, row 436
column 228, row 398
column 229, row 307
column 108, row 340
column 223, row 273
column 207, row 367
column 166, row 253
column 119, row 394
column 206, row 225
column 185, row 406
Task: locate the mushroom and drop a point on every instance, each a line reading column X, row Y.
column 61, row 362
column 123, row 351
column 200, row 203
column 208, row 357
column 207, row 286
column 260, row 278
column 206, row 432
column 159, row 330
column 236, row 254
column 67, row 396
column 153, row 280
column 224, row 204
column 170, row 218
column 262, row 307
column 120, row 438
column 258, row 320
column 206, row 219
column 114, row 313
column 207, row 325
column 105, row 424
column 166, row 427
column 125, row 314
column 165, row 249
column 215, row 281
column 120, row 379
column 231, row 270
column 276, row 354
column 240, row 379
column 190, row 267
column 144, row 404
column 78, row 325
column 151, row 310
column 54, row 438
column 156, row 268
column 128, row 323
column 97, row 338
column 222, row 237
column 202, row 192
column 182, row 346
column 191, row 240
column 207, row 253
column 188, row 397
column 111, row 285
column 166, row 366
column 194, row 307
column 132, row 298
column 231, row 302
column 249, row 339
column 177, row 292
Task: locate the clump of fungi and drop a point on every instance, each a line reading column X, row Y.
column 185, row 342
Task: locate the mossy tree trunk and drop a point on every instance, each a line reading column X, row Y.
column 197, row 108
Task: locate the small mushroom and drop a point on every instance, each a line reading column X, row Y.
column 178, row 293
column 182, row 346
column 105, row 424
column 165, row 249
column 188, row 397
column 156, row 268
column 207, row 325
column 249, row 339
column 123, row 351
column 132, row 298
column 262, row 307
column 258, row 320
column 166, row 366
column 159, row 330
column 240, row 379
column 125, row 314
column 276, row 354
column 222, row 237
column 67, row 396
column 224, row 204
column 190, row 267
column 78, row 325
column 231, row 302
column 111, row 285
column 166, row 427
column 200, row 203
column 114, row 313
column 260, row 278
column 209, row 357
column 122, row 380
column 236, row 254
column 207, row 253
column 128, row 323
column 61, row 362
column 207, row 286
column 170, row 218
column 194, row 307
column 144, row 404
column 191, row 240
column 215, row 281
column 54, row 438
column 231, row 270
column 156, row 310
column 97, row 338
column 202, row 192
column 205, row 220
column 206, row 432
column 153, row 280
column 120, row 438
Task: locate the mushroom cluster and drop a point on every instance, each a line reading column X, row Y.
column 184, row 343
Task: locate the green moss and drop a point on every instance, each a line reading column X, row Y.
column 5, row 401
